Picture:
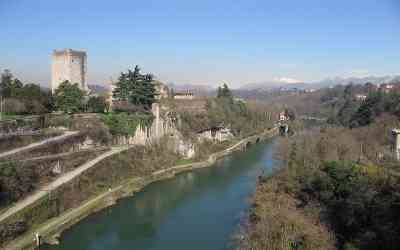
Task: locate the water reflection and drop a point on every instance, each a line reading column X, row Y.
column 195, row 210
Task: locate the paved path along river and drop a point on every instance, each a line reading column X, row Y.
column 195, row 210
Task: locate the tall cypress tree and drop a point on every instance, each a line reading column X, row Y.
column 136, row 88
column 121, row 92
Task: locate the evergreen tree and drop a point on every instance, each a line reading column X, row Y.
column 121, row 92
column 369, row 110
column 136, row 88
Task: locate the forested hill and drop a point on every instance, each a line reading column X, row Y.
column 339, row 184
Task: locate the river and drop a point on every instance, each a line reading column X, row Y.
column 195, row 210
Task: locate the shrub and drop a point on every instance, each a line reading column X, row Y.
column 126, row 124
column 97, row 104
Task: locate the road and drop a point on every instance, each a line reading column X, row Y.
column 37, row 144
column 58, row 182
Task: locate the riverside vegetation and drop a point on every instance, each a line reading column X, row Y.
column 338, row 185
column 134, row 93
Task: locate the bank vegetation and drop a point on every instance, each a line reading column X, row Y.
column 337, row 186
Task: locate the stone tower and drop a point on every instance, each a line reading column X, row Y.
column 68, row 65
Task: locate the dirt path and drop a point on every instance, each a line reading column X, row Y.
column 57, row 183
column 37, row 144
column 82, row 211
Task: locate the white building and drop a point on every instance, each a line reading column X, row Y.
column 360, row 97
column 69, row 65
column 216, row 134
column 283, row 117
column 184, row 95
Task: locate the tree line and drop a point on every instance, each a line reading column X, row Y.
column 131, row 89
column 348, row 111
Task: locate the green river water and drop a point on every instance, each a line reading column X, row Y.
column 201, row 209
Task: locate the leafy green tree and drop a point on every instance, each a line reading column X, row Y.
column 5, row 83
column 126, row 124
column 373, row 106
column 69, row 97
column 97, row 104
column 31, row 97
column 136, row 88
column 9, row 86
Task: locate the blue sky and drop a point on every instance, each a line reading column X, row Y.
column 204, row 42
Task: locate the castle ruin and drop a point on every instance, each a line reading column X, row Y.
column 68, row 65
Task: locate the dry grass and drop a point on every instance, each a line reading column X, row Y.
column 276, row 223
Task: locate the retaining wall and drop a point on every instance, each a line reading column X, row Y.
column 51, row 216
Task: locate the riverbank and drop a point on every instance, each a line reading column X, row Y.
column 330, row 195
column 54, row 227
column 277, row 220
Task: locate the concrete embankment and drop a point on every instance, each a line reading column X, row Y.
column 51, row 229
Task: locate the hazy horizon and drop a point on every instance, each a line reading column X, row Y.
column 206, row 42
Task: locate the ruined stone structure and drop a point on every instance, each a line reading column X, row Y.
column 69, row 65
column 163, row 125
column 396, row 143
column 219, row 133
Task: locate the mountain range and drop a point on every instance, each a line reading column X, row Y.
column 271, row 85
column 268, row 87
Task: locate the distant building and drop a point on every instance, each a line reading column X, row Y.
column 386, row 88
column 218, row 133
column 239, row 99
column 309, row 90
column 282, row 116
column 69, row 65
column 360, row 97
column 184, row 95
